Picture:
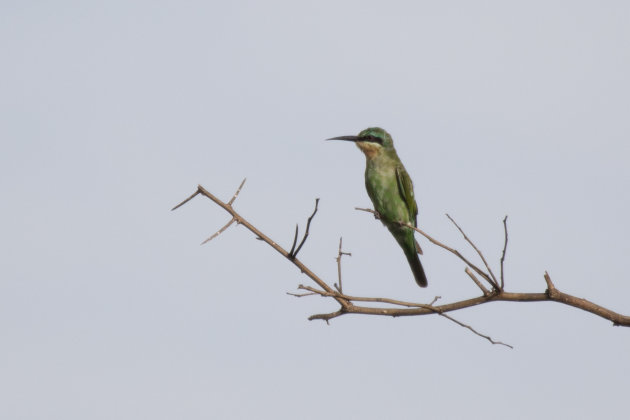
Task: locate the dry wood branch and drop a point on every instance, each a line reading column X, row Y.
column 505, row 242
column 340, row 253
column 261, row 236
column 294, row 241
column 475, row 331
column 477, row 282
column 293, row 253
column 301, row 294
column 398, row 308
column 220, row 231
column 435, row 299
column 358, row 310
column 493, row 280
column 238, row 190
column 414, row 309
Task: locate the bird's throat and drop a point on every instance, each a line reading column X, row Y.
column 371, row 150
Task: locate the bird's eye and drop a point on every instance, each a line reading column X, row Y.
column 372, row 139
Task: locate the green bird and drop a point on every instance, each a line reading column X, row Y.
column 391, row 191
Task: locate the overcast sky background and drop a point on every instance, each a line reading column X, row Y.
column 113, row 112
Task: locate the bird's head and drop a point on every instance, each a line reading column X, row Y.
column 372, row 141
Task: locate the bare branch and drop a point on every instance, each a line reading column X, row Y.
column 301, row 294
column 550, row 286
column 494, row 279
column 374, row 212
column 308, row 226
column 396, row 308
column 435, row 299
column 186, row 200
column 504, row 249
column 475, row 331
column 220, row 231
column 439, row 310
column 477, row 282
column 261, row 236
column 340, row 253
column 238, row 190
column 327, row 317
column 294, row 241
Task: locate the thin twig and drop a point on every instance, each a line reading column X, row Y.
column 434, row 309
column 186, row 200
column 477, row 282
column 435, row 299
column 475, row 331
column 220, row 231
column 402, row 308
column 259, row 235
column 236, row 193
column 308, row 226
column 294, row 241
column 340, row 253
column 505, row 243
column 494, row 282
column 301, row 294
column 340, row 288
column 325, row 293
column 374, row 212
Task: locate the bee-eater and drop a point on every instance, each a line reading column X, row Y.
column 391, row 191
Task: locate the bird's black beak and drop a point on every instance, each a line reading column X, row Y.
column 347, row 138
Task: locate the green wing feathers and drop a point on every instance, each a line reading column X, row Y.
column 405, row 187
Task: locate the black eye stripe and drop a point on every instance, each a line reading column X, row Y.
column 373, row 139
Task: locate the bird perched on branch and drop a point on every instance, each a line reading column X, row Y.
column 391, row 191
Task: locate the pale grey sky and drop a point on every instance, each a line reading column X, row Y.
column 112, row 112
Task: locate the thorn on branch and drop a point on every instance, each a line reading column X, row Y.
column 220, row 231
column 201, row 190
column 186, row 200
column 551, row 288
column 293, row 253
column 238, row 190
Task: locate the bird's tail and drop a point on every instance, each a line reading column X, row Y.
column 416, row 268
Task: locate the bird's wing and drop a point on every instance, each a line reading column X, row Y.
column 405, row 187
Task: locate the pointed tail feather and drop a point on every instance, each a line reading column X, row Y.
column 416, row 268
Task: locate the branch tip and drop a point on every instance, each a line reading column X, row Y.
column 186, row 200
column 238, row 190
column 293, row 253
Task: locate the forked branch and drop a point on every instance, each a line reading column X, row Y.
column 395, row 308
